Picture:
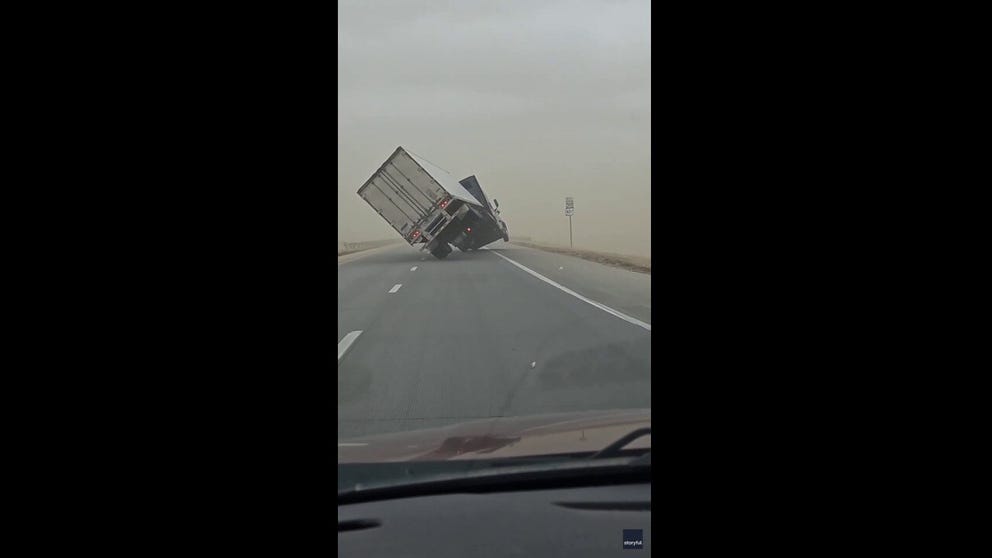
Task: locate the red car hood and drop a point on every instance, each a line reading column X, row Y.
column 501, row 437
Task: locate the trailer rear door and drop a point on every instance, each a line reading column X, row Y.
column 402, row 193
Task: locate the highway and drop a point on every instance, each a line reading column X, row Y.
column 507, row 331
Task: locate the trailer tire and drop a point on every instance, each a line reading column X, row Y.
column 441, row 251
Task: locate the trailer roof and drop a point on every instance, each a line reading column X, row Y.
column 448, row 182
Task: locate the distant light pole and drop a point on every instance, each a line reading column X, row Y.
column 569, row 210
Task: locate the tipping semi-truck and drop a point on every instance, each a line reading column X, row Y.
column 429, row 208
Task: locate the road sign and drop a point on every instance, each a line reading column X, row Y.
column 569, row 211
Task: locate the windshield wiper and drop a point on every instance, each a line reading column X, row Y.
column 481, row 476
column 506, row 481
column 613, row 450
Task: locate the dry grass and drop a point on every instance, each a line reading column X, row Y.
column 631, row 263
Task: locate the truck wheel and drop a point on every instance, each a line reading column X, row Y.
column 441, row 251
column 506, row 237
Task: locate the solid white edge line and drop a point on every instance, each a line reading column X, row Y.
column 351, row 444
column 395, row 288
column 601, row 306
column 346, row 342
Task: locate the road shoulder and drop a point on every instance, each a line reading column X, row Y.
column 352, row 256
column 626, row 291
column 622, row 261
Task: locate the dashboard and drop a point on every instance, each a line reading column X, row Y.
column 577, row 521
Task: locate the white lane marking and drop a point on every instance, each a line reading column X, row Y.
column 396, row 287
column 601, row 306
column 414, row 268
column 346, row 342
column 350, row 444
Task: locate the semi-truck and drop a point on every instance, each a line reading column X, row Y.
column 429, row 208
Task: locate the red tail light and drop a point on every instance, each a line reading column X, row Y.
column 444, row 203
column 416, row 234
column 469, row 229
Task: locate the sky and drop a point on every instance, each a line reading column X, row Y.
column 538, row 99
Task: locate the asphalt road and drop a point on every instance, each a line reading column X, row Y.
column 475, row 336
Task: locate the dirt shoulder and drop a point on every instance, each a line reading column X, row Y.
column 630, row 263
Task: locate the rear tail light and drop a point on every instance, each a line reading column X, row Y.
column 468, row 229
column 444, row 203
column 415, row 234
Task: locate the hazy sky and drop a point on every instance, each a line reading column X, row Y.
column 538, row 99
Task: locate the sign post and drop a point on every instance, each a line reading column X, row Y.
column 569, row 210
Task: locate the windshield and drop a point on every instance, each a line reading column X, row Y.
column 467, row 333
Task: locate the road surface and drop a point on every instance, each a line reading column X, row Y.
column 507, row 331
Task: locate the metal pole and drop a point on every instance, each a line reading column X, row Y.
column 570, row 232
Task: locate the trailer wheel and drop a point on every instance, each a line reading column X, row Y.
column 441, row 251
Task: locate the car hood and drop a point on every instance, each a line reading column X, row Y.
column 500, row 437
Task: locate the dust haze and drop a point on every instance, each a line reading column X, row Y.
column 539, row 100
